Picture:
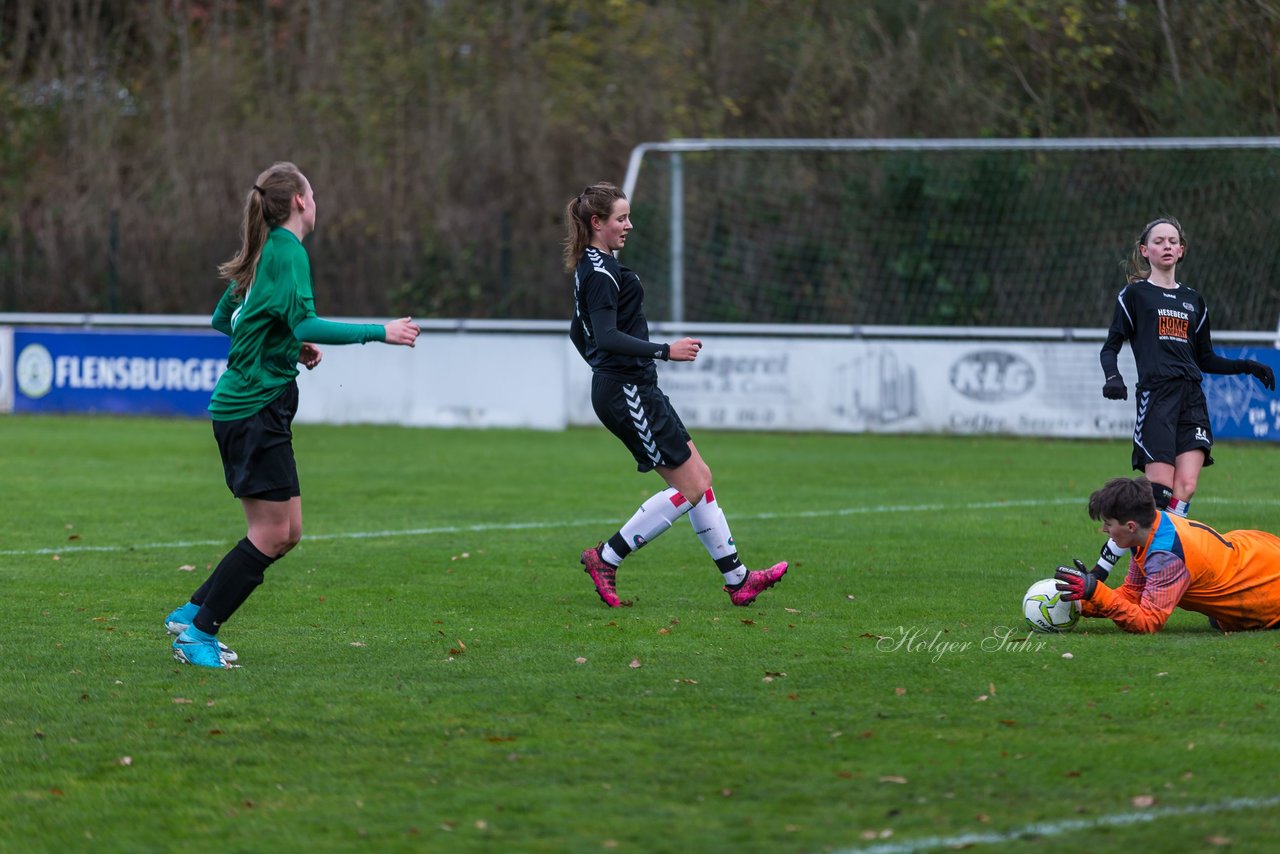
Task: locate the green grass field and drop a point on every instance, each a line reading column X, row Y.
column 430, row 670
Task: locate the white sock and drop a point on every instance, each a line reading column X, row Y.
column 658, row 513
column 713, row 531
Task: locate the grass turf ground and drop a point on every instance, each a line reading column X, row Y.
column 431, row 670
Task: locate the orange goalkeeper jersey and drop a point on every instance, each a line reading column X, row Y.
column 1232, row 578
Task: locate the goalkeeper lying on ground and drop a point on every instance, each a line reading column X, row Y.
column 1232, row 578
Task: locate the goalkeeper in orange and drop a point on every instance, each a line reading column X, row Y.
column 1232, row 578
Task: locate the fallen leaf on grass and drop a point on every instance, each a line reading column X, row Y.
column 459, row 649
column 186, row 567
column 664, row 631
column 893, row 778
column 1218, row 840
column 635, row 662
column 1143, row 801
column 1009, row 722
column 125, row 760
column 686, row 681
column 181, row 700
column 579, row 660
column 362, row 643
column 791, row 610
column 899, row 691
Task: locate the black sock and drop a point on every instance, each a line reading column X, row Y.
column 238, row 574
column 729, row 563
column 1162, row 494
column 619, row 545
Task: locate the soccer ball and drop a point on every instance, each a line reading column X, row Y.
column 1046, row 611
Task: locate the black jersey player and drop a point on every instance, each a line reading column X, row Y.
column 610, row 331
column 1167, row 327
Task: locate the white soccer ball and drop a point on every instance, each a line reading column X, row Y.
column 1046, row 611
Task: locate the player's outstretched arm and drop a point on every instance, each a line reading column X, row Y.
column 403, row 332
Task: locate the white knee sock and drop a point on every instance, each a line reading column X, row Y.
column 658, row 513
column 713, row 531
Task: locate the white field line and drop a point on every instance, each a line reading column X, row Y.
column 561, row 523
column 1058, row 828
column 579, row 523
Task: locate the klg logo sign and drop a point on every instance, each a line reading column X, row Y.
column 992, row 375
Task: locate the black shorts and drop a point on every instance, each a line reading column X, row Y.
column 257, row 452
column 1173, row 418
column 644, row 419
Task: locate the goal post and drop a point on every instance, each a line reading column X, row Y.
column 945, row 232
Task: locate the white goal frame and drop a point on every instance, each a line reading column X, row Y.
column 677, row 147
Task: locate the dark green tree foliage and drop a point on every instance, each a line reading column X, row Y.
column 444, row 137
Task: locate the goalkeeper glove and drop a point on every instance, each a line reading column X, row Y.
column 1265, row 375
column 1075, row 583
column 1115, row 389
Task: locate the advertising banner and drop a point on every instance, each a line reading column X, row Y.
column 134, row 373
column 1051, row 389
column 1239, row 407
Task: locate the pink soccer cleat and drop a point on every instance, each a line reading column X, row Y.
column 603, row 575
column 756, row 583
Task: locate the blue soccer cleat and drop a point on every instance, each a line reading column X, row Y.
column 195, row 647
column 179, row 620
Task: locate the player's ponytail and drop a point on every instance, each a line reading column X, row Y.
column 1138, row 267
column 268, row 204
column 596, row 200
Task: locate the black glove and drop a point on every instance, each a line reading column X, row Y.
column 1075, row 583
column 1115, row 389
column 1265, row 375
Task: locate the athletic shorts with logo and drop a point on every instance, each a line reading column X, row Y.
column 643, row 418
column 1173, row 418
column 257, row 451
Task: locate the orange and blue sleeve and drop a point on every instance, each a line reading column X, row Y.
column 1167, row 579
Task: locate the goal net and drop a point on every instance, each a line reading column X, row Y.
column 1007, row 233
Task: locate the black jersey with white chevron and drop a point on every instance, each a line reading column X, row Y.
column 1168, row 329
column 601, row 282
